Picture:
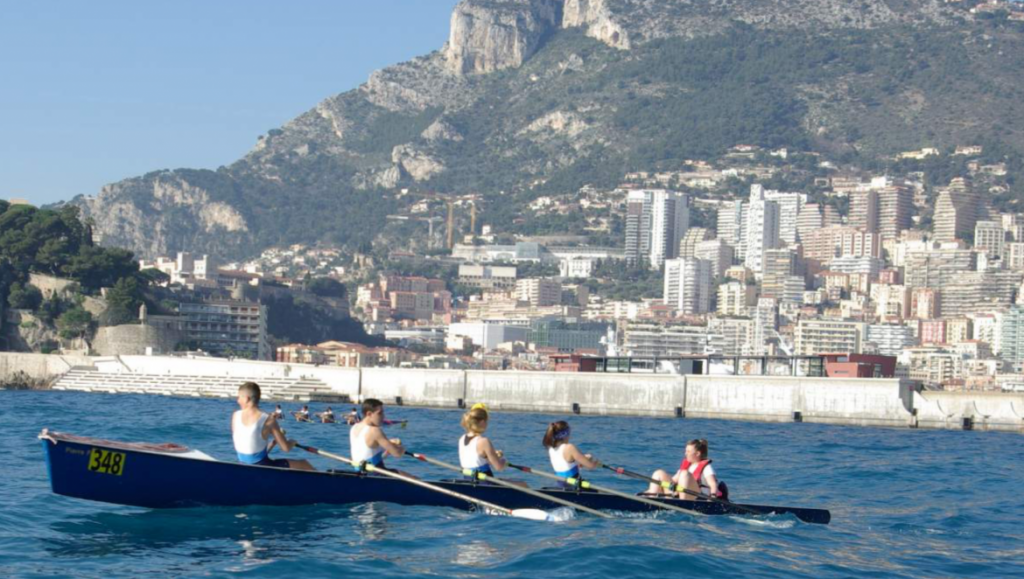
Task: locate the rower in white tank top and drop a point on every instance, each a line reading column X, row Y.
column 361, row 452
column 561, row 466
column 469, row 455
column 249, row 442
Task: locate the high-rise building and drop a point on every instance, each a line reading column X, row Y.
column 892, row 302
column 228, row 327
column 979, row 291
column 539, row 292
column 766, row 324
column 688, row 285
column 864, row 210
column 648, row 340
column 762, row 228
column 736, row 298
column 936, row 267
column 718, row 252
column 731, row 224
column 829, row 336
column 895, row 208
column 924, row 303
column 1011, row 336
column 891, row 339
column 656, row 220
column 810, row 220
column 694, row 235
column 737, row 334
column 956, row 211
column 789, row 213
column 990, row 237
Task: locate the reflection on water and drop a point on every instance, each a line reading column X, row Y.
column 372, row 521
column 268, row 531
column 476, row 553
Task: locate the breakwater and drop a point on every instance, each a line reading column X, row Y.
column 849, row 401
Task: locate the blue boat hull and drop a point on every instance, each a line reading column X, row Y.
column 158, row 480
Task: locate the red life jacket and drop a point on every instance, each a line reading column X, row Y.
column 685, row 465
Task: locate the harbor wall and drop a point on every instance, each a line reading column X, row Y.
column 852, row 401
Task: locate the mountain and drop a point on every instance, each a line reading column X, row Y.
column 530, row 97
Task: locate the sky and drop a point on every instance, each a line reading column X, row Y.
column 95, row 92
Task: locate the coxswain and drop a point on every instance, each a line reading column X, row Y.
column 476, row 453
column 252, row 429
column 566, row 459
column 367, row 439
column 695, row 474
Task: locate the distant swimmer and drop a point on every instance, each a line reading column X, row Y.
column 302, row 415
column 476, row 453
column 252, row 429
column 566, row 459
column 327, row 416
column 695, row 474
column 367, row 439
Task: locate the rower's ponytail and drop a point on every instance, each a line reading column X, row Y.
column 557, row 432
column 475, row 420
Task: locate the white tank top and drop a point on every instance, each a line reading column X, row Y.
column 469, row 456
column 249, row 442
column 562, row 467
column 361, row 452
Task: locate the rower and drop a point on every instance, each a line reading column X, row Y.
column 302, row 415
column 476, row 452
column 695, row 474
column 566, row 459
column 278, row 413
column 352, row 417
column 327, row 416
column 251, row 428
column 367, row 438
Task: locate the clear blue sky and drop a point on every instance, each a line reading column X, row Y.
column 94, row 92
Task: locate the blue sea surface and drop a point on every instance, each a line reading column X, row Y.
column 904, row 503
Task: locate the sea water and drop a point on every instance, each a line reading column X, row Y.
column 904, row 503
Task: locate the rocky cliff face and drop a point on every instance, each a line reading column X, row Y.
column 494, row 34
column 564, row 103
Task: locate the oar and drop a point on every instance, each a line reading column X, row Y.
column 497, row 481
column 679, row 488
column 532, row 514
column 586, row 485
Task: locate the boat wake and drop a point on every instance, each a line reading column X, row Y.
column 766, row 523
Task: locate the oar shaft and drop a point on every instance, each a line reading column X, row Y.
column 588, row 485
column 410, row 480
column 506, row 484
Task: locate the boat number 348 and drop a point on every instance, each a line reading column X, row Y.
column 106, row 461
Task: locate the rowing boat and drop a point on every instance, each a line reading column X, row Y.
column 175, row 476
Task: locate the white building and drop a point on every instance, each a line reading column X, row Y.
column 789, row 212
column 891, row 339
column 735, row 298
column 488, row 335
column 719, row 253
column 656, row 220
column 688, row 285
column 762, row 228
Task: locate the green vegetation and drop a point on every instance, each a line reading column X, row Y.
column 295, row 320
column 55, row 242
column 615, row 280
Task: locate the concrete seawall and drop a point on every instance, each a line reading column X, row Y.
column 850, row 401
